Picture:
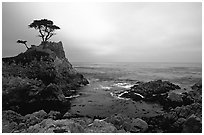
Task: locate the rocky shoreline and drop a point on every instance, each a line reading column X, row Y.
column 37, row 87
column 182, row 111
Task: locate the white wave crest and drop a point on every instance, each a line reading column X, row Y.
column 123, row 85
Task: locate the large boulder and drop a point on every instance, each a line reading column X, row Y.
column 150, row 91
column 155, row 91
column 193, row 125
column 138, row 125
column 154, row 87
column 100, row 126
column 120, row 121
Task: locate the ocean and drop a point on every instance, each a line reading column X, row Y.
column 99, row 99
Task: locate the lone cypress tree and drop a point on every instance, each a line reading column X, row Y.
column 45, row 27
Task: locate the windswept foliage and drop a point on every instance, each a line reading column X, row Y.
column 22, row 42
column 45, row 27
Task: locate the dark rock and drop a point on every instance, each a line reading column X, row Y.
column 192, row 125
column 67, row 115
column 195, row 95
column 178, row 125
column 174, row 97
column 39, row 78
column 198, row 87
column 172, row 121
column 172, row 100
column 138, row 125
column 154, row 87
column 28, row 95
column 53, row 92
column 155, row 91
column 54, row 115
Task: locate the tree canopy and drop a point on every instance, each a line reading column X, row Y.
column 45, row 27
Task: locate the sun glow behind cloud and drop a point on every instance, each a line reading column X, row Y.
column 85, row 23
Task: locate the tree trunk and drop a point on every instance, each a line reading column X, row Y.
column 26, row 46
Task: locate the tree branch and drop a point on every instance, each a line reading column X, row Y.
column 51, row 34
column 41, row 34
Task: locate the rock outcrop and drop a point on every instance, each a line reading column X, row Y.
column 39, row 78
column 183, row 117
column 155, row 91
column 153, row 88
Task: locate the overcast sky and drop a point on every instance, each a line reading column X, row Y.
column 110, row 32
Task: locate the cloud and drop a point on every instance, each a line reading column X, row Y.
column 112, row 31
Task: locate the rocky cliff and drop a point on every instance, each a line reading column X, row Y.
column 40, row 78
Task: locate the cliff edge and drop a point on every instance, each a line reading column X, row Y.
column 40, row 78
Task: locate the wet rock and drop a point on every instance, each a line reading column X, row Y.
column 154, row 87
column 193, row 125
